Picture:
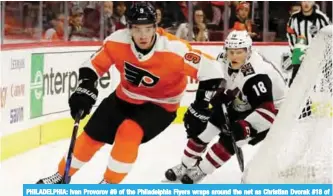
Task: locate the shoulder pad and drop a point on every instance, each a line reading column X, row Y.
column 220, row 56
column 122, row 36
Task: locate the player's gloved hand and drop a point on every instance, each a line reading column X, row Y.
column 223, row 96
column 242, row 129
column 195, row 119
column 85, row 95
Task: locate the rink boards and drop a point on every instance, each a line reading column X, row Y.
column 36, row 82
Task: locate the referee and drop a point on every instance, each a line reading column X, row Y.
column 306, row 24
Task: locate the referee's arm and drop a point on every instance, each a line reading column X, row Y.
column 323, row 19
column 291, row 34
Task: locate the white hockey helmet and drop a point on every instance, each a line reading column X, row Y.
column 238, row 39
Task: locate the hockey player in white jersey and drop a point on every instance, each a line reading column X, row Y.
column 253, row 93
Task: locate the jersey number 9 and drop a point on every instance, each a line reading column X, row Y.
column 194, row 58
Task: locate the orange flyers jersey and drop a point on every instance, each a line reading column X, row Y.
column 159, row 76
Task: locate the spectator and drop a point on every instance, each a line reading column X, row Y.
column 233, row 13
column 243, row 22
column 183, row 8
column 76, row 22
column 12, row 24
column 109, row 24
column 159, row 18
column 92, row 21
column 119, row 15
column 56, row 33
column 217, row 9
column 199, row 31
column 177, row 12
column 76, row 18
column 30, row 21
column 162, row 21
column 50, row 10
column 108, row 8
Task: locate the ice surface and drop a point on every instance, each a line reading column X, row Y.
column 154, row 158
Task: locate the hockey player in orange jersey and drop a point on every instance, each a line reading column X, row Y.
column 153, row 66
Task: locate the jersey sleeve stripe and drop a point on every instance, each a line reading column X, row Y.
column 269, row 107
column 267, row 115
column 266, row 112
column 262, row 118
column 258, row 121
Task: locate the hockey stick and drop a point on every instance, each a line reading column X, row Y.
column 71, row 146
column 238, row 151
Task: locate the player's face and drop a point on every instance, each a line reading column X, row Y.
column 143, row 35
column 237, row 57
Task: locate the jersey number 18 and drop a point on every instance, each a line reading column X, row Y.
column 259, row 88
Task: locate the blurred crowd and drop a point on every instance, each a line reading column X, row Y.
column 28, row 21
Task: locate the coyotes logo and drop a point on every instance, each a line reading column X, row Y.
column 247, row 69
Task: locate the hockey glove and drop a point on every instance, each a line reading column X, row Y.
column 242, row 129
column 85, row 95
column 195, row 120
column 223, row 96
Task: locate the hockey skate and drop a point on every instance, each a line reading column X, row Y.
column 193, row 175
column 176, row 172
column 54, row 179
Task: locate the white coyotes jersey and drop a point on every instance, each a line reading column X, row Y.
column 249, row 77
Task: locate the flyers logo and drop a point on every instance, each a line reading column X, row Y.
column 139, row 77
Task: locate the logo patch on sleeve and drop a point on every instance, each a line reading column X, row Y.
column 247, row 69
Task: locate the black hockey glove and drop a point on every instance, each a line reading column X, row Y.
column 223, row 96
column 198, row 113
column 242, row 129
column 85, row 95
column 195, row 120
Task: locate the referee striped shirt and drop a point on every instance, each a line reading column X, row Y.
column 307, row 26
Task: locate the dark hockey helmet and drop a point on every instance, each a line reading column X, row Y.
column 142, row 13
